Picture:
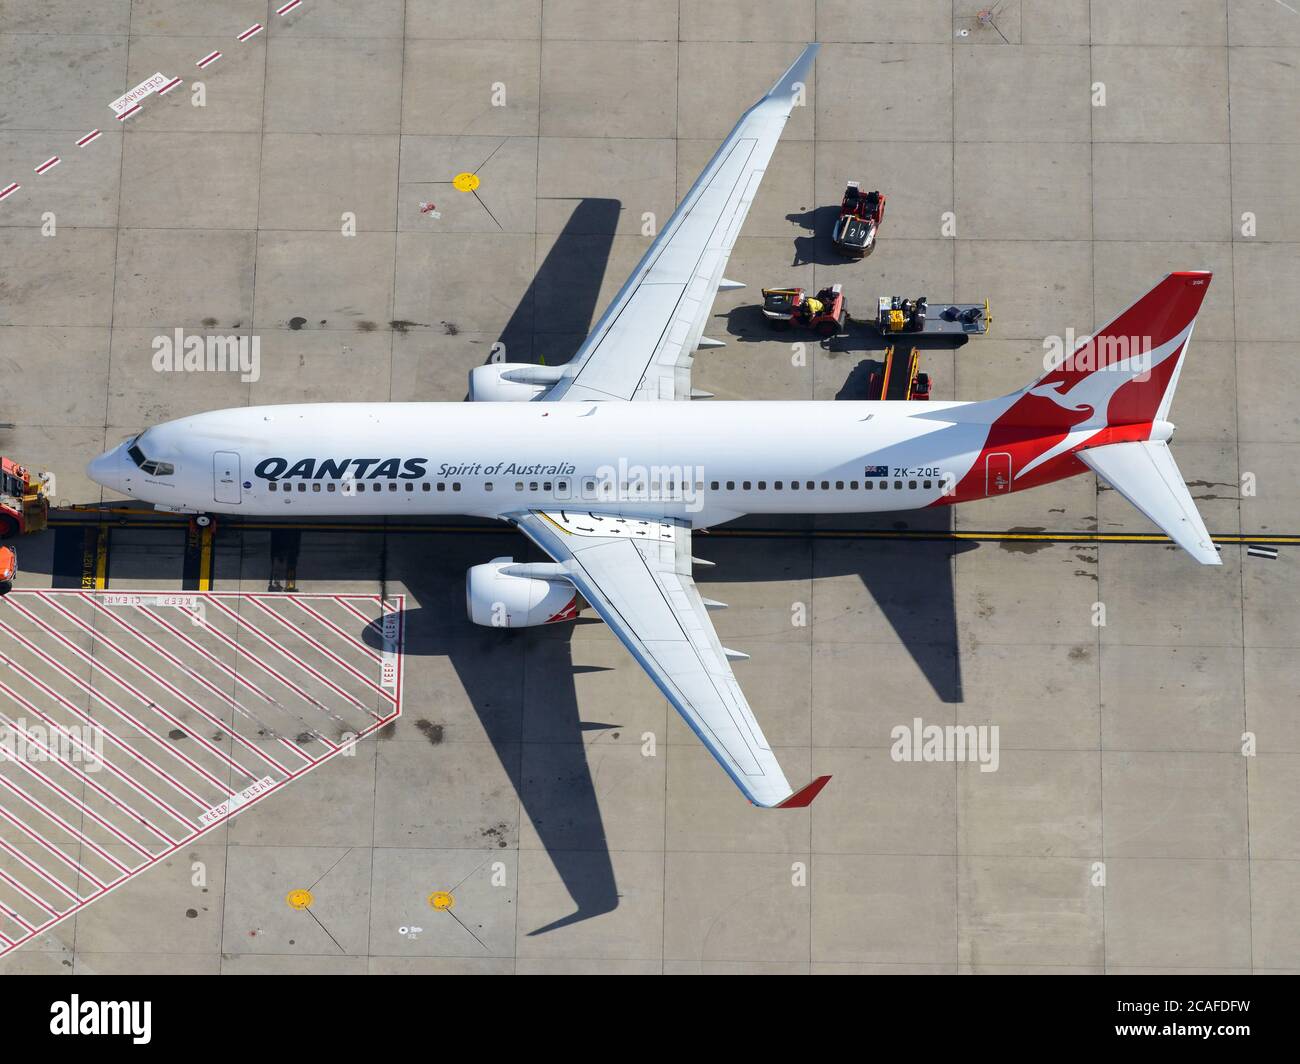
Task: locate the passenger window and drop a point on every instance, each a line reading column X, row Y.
column 794, row 485
column 714, row 486
column 532, row 485
column 762, row 485
column 745, row 485
column 884, row 484
column 302, row 487
column 546, row 486
column 519, row 486
column 776, row 485
column 853, row 485
column 425, row 486
column 898, row 485
column 731, row 485
column 925, row 484
column 826, row 484
column 839, row 485
column 867, row 485
column 392, row 485
column 330, row 486
column 911, row 483
column 487, row 485
column 811, row 485
column 410, row 486
column 271, row 486
column 455, row 485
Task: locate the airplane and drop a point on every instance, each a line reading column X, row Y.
column 607, row 467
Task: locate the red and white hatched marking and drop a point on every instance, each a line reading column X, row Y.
column 94, row 134
column 208, row 60
column 287, row 7
column 49, row 164
column 10, row 190
column 135, row 722
column 251, row 32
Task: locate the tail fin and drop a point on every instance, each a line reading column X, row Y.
column 1125, row 377
column 1105, row 405
column 1125, row 374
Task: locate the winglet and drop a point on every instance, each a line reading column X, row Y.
column 802, row 799
column 797, row 74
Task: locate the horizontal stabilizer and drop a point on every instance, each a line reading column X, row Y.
column 1144, row 473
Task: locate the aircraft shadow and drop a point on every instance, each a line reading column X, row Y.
column 550, row 323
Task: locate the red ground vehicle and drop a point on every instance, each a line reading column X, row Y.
column 8, row 569
column 860, row 216
column 23, row 504
column 824, row 313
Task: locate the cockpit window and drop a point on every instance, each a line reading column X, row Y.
column 148, row 466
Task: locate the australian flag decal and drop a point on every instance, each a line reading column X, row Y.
column 876, row 471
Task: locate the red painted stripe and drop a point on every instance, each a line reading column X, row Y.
column 195, row 676
column 157, row 678
column 252, row 31
column 211, row 57
column 137, row 787
column 169, row 86
column 92, row 135
column 110, row 704
column 10, row 190
column 288, row 7
column 50, row 847
column 49, row 163
column 128, row 113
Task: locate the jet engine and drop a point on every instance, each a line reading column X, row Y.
column 510, row 382
column 501, row 594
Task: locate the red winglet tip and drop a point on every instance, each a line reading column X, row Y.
column 802, row 799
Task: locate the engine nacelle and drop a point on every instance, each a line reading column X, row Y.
column 510, row 382
column 501, row 594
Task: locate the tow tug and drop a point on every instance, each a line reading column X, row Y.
column 24, row 508
column 824, row 313
column 897, row 315
column 861, row 213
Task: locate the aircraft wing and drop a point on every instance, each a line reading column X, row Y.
column 644, row 342
column 637, row 575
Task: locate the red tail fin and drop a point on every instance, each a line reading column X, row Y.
column 1127, row 371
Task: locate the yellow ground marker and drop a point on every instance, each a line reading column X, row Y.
column 101, row 559
column 465, row 182
column 441, row 900
column 299, row 899
column 205, row 558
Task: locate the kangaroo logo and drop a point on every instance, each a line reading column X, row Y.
column 1093, row 392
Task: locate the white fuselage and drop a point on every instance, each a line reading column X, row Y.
column 704, row 462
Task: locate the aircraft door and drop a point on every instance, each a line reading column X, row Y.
column 226, row 477
column 997, row 474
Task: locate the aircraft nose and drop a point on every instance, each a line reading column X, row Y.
column 107, row 469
